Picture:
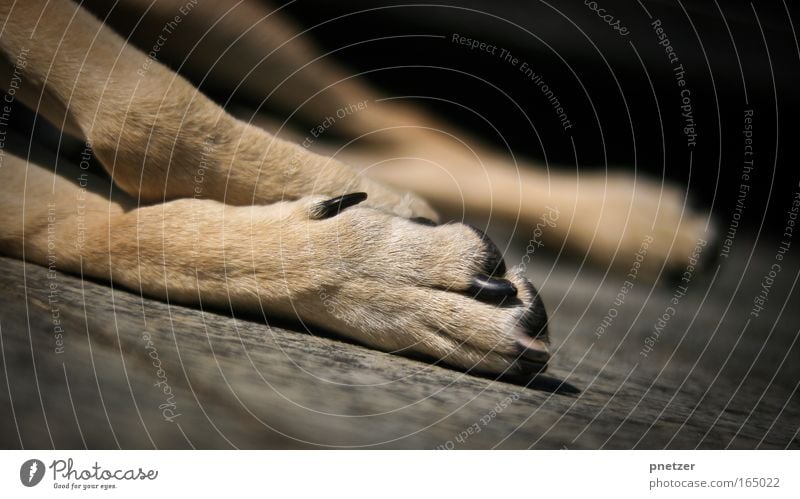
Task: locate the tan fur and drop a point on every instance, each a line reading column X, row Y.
column 239, row 234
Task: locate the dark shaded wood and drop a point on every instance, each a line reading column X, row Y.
column 245, row 384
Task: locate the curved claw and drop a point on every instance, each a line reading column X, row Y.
column 334, row 206
column 491, row 289
column 424, row 221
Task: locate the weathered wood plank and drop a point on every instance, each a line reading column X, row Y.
column 242, row 383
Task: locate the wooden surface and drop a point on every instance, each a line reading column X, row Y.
column 713, row 380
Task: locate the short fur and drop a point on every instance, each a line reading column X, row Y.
column 245, row 232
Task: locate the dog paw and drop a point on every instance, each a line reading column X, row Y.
column 404, row 204
column 411, row 287
column 643, row 224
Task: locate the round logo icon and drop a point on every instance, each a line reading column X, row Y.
column 31, row 472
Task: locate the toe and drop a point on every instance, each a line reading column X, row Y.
column 493, row 263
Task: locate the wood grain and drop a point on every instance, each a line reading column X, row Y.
column 243, row 383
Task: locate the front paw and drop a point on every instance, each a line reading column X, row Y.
column 404, row 204
column 411, row 288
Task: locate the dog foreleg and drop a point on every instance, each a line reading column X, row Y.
column 156, row 135
column 385, row 281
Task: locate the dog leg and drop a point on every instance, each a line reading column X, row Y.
column 607, row 218
column 157, row 136
column 382, row 280
column 253, row 50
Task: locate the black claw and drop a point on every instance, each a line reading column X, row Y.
column 332, row 207
column 491, row 289
column 535, row 319
column 424, row 221
column 494, row 264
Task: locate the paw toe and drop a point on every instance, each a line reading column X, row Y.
column 493, row 263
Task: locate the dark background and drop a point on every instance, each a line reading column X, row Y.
column 737, row 56
column 619, row 92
